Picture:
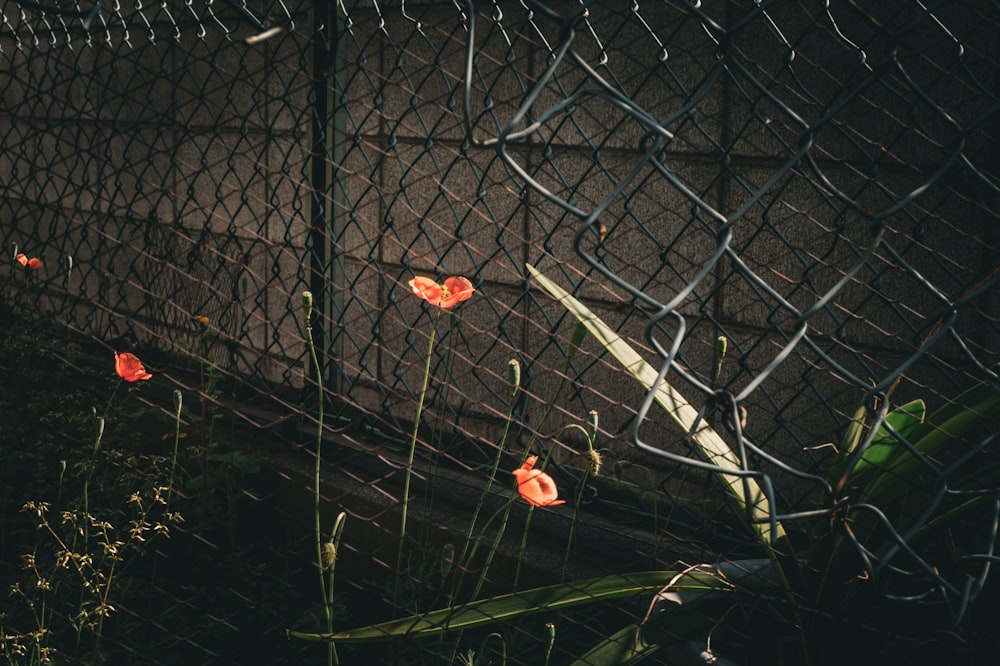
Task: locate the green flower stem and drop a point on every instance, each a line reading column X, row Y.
column 514, row 383
column 334, row 543
column 437, row 433
column 531, row 513
column 307, row 307
column 409, row 459
column 496, row 544
column 464, row 566
column 593, row 463
column 551, row 629
column 178, row 406
column 98, row 434
column 572, row 526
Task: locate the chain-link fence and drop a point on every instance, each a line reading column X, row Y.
column 814, row 182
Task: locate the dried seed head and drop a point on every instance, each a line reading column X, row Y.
column 594, row 461
column 513, row 376
column 329, row 555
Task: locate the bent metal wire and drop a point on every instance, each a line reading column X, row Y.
column 651, row 152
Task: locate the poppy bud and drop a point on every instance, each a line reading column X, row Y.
column 329, row 555
column 513, row 376
column 307, row 306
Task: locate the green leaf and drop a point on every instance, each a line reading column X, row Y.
column 575, row 340
column 693, row 617
column 903, row 420
column 622, row 647
column 518, row 604
column 852, row 437
column 930, row 437
column 713, row 448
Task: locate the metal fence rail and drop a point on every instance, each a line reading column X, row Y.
column 815, row 182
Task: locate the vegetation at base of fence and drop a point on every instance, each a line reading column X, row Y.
column 106, row 510
column 96, row 476
column 878, row 512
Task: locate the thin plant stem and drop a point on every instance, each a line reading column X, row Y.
column 85, row 532
column 514, row 383
column 330, row 563
column 527, row 524
column 572, row 526
column 493, row 548
column 464, row 566
column 307, row 306
column 178, row 406
column 409, row 459
column 551, row 629
column 593, row 467
column 437, row 432
column 574, row 343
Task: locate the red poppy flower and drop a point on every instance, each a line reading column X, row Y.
column 129, row 367
column 447, row 295
column 535, row 486
column 34, row 263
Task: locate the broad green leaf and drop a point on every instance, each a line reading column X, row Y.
column 713, row 448
column 898, row 481
column 673, row 624
column 852, row 437
column 884, row 445
column 519, row 604
column 929, row 438
column 622, row 647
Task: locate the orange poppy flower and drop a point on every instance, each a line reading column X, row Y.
column 129, row 367
column 447, row 295
column 535, row 486
column 34, row 263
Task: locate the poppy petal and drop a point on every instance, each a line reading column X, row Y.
column 427, row 289
column 129, row 367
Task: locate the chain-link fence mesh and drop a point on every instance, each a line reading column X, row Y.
column 815, row 182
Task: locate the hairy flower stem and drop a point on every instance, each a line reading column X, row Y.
column 514, row 383
column 325, row 595
column 178, row 406
column 467, row 563
column 85, row 531
column 409, row 459
column 527, row 528
column 593, row 468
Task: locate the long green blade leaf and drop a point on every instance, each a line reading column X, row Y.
column 904, row 419
column 714, row 449
column 518, row 604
